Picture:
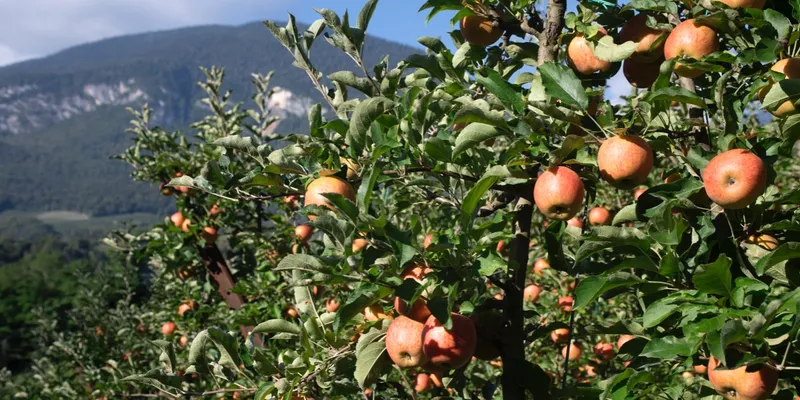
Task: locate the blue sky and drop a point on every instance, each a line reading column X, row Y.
column 36, row 28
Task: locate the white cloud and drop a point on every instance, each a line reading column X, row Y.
column 30, row 28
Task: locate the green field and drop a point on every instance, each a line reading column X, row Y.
column 20, row 225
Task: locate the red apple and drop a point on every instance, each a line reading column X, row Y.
column 558, row 193
column 625, row 161
column 450, row 349
column 692, row 41
column 735, row 179
column 531, row 293
column 581, row 58
column 303, row 232
column 604, row 351
column 540, row 265
column 560, row 335
column 600, row 216
column 743, row 383
column 575, row 352
column 404, row 342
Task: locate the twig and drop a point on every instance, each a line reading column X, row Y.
column 408, row 384
column 569, row 339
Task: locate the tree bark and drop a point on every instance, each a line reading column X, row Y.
column 218, row 268
column 513, row 351
column 553, row 25
column 696, row 113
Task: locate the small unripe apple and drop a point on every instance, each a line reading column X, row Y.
column 625, row 161
column 374, row 313
column 291, row 313
column 290, row 201
column 599, row 216
column 558, row 193
column 501, row 246
column 735, row 179
column 184, row 340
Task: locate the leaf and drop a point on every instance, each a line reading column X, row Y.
column 362, row 22
column 439, row 150
column 491, row 264
column 368, row 363
column 606, row 50
column 284, row 159
column 657, row 312
column 786, row 251
column 303, row 262
column 361, row 298
column 732, row 332
column 677, row 93
column 605, row 237
column 167, row 356
column 364, row 195
column 236, row 142
column 714, row 278
column 479, row 111
column 561, row 83
column 590, row 288
column 363, row 116
column 571, row 143
column 277, row 326
column 625, row 215
column 343, row 204
column 227, row 346
column 668, row 347
column 470, row 204
column 781, row 92
column 472, row 135
column 508, row 95
column 779, row 22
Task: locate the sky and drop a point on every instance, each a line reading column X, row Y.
column 37, row 28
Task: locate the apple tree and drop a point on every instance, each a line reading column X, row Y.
column 487, row 223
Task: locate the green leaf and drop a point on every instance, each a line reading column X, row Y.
column 479, row 111
column 302, row 262
column 590, row 288
column 561, row 83
column 657, row 312
column 363, row 116
column 511, row 97
column 470, row 205
column 439, row 150
column 362, row 22
column 668, row 347
column 236, row 142
column 732, row 332
column 677, row 93
column 714, row 278
column 284, row 159
column 786, row 251
column 605, row 49
column 364, row 195
column 368, row 363
column 277, row 326
column 781, row 92
column 472, row 135
column 779, row 22
column 606, row 237
column 360, row 299
column 625, row 215
column 491, row 264
column 167, row 357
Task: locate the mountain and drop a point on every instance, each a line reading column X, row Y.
column 62, row 116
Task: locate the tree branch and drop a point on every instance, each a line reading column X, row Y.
column 696, row 113
column 554, row 24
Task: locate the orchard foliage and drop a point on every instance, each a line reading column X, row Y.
column 430, row 162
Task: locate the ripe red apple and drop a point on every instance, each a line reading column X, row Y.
column 303, row 232
column 423, row 383
column 416, row 270
column 638, row 193
column 558, row 193
column 374, row 313
column 186, row 225
column 641, row 74
column 404, row 342
column 735, row 178
column 177, row 219
column 560, row 335
column 693, row 41
column 184, row 340
column 290, row 201
column 359, row 244
column 186, row 306
column 291, row 313
column 576, row 222
column 479, row 31
column 331, row 305
column 759, row 4
column 450, row 349
column 650, row 46
column 209, row 234
column 625, row 161
column 215, row 210
column 168, row 328
column 604, row 351
column 700, row 369
column 531, row 293
column 540, row 265
column 581, row 57
column 418, row 312
column 565, row 303
column 790, row 68
column 766, row 242
column 599, row 216
column 624, row 339
column 488, row 325
column 743, row 383
column 327, row 184
column 575, row 352
column 501, row 246
column 428, row 240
